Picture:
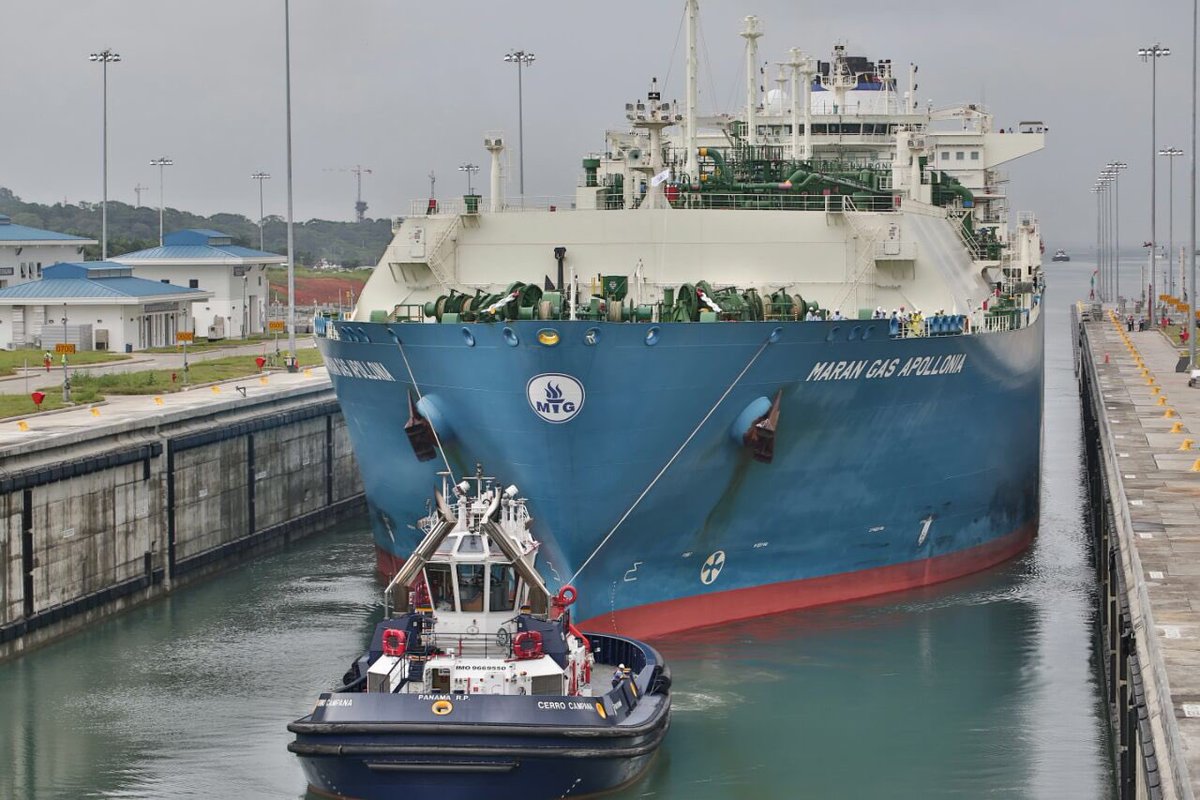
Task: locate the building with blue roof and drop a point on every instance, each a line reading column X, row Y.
column 24, row 251
column 209, row 260
column 95, row 305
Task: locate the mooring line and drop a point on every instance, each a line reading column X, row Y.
column 667, row 466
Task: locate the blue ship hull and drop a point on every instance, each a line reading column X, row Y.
column 898, row 462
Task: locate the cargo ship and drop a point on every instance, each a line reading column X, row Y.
column 1060, row 255
column 757, row 361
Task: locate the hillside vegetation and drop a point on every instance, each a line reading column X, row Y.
column 130, row 228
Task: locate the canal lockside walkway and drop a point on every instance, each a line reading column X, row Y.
column 1145, row 421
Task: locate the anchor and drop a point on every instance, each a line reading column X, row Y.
column 420, row 433
column 760, row 436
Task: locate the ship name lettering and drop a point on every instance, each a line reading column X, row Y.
column 367, row 370
column 915, row 366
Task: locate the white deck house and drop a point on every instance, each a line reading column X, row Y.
column 95, row 305
column 24, row 251
column 235, row 277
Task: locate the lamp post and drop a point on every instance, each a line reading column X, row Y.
column 160, row 162
column 1192, row 204
column 521, row 59
column 1105, row 182
column 291, row 239
column 260, row 177
column 1171, row 153
column 1114, row 168
column 105, row 57
column 1153, row 54
column 470, row 169
column 1098, row 191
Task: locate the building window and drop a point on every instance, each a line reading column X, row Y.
column 164, row 280
column 260, row 280
column 23, row 270
column 974, row 155
column 193, row 283
column 958, row 155
column 39, row 269
column 945, row 155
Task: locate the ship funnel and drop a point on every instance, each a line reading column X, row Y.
column 495, row 146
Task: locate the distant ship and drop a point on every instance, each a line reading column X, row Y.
column 755, row 362
column 1060, row 255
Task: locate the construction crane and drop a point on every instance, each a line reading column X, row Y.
column 360, row 207
column 138, row 189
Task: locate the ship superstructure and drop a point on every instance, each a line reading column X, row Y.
column 829, row 444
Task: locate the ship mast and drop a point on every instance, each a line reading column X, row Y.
column 751, row 34
column 692, row 166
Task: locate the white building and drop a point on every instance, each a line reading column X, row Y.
column 24, row 251
column 235, row 277
column 95, row 305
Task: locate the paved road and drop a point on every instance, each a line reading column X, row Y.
column 119, row 411
column 143, row 361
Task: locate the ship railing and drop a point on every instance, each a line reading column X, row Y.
column 497, row 644
column 779, row 201
column 461, row 206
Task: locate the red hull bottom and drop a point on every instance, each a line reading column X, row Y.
column 697, row 611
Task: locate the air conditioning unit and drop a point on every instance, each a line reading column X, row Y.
column 217, row 329
column 916, row 143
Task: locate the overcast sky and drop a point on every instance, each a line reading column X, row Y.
column 404, row 88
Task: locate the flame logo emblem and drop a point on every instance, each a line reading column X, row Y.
column 555, row 397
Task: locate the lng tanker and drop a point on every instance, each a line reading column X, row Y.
column 757, row 361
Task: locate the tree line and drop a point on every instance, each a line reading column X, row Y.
column 131, row 228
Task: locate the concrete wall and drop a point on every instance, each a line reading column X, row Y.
column 90, row 527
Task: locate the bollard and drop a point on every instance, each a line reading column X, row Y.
column 1196, row 465
column 1162, row 400
column 1177, row 427
column 216, row 390
column 1186, row 444
column 1169, row 413
column 95, row 411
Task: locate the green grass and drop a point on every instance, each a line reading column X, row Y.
column 12, row 360
column 89, row 388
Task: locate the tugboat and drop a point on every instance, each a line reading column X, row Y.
column 1060, row 255
column 479, row 684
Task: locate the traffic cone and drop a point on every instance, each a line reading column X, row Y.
column 1186, row 444
column 1177, row 427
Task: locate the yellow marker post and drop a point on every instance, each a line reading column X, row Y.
column 1196, row 465
column 158, row 401
column 22, row 425
column 308, row 373
column 216, row 390
column 1186, row 444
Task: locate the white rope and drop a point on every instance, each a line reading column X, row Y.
column 432, row 427
column 667, row 466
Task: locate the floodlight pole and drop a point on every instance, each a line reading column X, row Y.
column 291, row 238
column 104, row 57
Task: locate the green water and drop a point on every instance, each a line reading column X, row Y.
column 982, row 688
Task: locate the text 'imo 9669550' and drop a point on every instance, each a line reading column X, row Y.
column 758, row 361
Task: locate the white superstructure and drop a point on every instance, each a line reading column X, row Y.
column 838, row 188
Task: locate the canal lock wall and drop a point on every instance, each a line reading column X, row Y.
column 97, row 521
column 1147, row 748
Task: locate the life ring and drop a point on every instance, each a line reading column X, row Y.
column 566, row 596
column 394, row 642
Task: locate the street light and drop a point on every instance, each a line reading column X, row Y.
column 160, row 162
column 520, row 58
column 1098, row 190
column 1114, row 168
column 1153, row 54
column 470, row 169
column 291, row 238
column 1111, row 257
column 105, row 57
column 1171, row 154
column 260, row 177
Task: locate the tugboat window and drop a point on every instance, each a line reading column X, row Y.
column 470, row 586
column 441, row 590
column 471, row 544
column 502, row 593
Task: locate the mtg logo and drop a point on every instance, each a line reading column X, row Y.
column 555, row 397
